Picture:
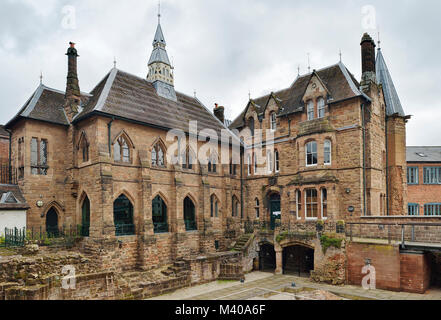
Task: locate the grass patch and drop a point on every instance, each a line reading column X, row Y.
column 225, row 281
column 7, row 252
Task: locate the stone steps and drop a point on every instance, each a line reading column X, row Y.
column 242, row 242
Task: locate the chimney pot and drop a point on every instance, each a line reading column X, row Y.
column 219, row 112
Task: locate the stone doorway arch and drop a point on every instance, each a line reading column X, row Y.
column 298, row 260
column 267, row 257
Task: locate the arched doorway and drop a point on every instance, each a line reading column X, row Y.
column 52, row 223
column 159, row 215
column 267, row 258
column 85, row 217
column 190, row 215
column 275, row 209
column 123, row 216
column 298, row 260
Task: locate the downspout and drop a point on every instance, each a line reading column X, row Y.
column 109, row 135
column 387, row 170
column 364, row 159
column 10, row 156
column 241, row 180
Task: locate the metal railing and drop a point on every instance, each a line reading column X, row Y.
column 161, row 227
column 191, row 225
column 403, row 233
column 124, row 230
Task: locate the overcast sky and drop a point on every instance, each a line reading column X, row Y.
column 223, row 49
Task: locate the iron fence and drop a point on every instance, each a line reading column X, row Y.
column 8, row 175
column 64, row 236
column 124, row 230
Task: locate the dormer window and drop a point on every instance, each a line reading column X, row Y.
column 310, row 110
column 273, row 119
column 321, row 108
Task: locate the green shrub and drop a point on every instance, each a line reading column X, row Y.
column 2, row 241
column 329, row 241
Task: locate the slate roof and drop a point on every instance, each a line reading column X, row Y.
column 14, row 202
column 3, row 132
column 393, row 103
column 340, row 83
column 45, row 104
column 424, row 154
column 130, row 97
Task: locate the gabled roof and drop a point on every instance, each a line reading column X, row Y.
column 339, row 82
column 127, row 96
column 424, row 154
column 11, row 198
column 393, row 103
column 45, row 104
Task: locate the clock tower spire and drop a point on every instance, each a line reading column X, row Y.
column 160, row 70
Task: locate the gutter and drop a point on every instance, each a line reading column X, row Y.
column 109, row 135
column 364, row 159
column 387, row 169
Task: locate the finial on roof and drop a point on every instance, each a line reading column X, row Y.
column 114, row 62
column 41, row 77
column 298, row 70
column 309, row 62
column 159, row 11
column 195, row 93
column 340, row 55
column 379, row 41
column 249, row 94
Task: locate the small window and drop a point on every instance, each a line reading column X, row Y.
column 251, row 125
column 328, row 152
column 413, row 209
column 311, row 204
column 298, row 203
column 235, row 207
column 214, row 206
column 310, row 110
column 121, row 150
column 39, row 157
column 21, row 162
column 412, row 175
column 158, row 158
column 270, row 162
column 273, row 119
column 432, row 175
column 249, row 164
column 432, row 209
column 255, row 164
column 321, row 108
column 311, row 154
column 188, row 159
column 324, row 204
column 257, row 208
column 277, row 161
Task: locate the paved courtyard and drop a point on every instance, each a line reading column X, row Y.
column 267, row 286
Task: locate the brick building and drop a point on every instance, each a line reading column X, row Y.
column 102, row 159
column 4, row 146
column 424, row 181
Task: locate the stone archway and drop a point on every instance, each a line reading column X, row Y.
column 298, row 260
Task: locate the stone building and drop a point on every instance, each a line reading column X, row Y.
column 338, row 145
column 424, row 181
column 102, row 160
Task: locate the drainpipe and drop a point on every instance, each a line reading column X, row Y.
column 109, row 132
column 241, row 180
column 10, row 155
column 387, row 170
column 364, row 158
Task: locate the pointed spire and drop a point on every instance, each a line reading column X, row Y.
column 393, row 103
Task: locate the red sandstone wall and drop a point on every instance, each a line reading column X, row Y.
column 385, row 259
column 415, row 273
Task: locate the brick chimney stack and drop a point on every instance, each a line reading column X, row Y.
column 219, row 112
column 73, row 95
column 368, row 60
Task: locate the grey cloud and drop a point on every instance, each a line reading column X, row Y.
column 222, row 48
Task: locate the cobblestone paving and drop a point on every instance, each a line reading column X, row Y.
column 258, row 284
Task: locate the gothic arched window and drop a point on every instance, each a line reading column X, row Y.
column 158, row 156
column 121, row 150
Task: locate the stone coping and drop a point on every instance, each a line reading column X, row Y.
column 403, row 217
